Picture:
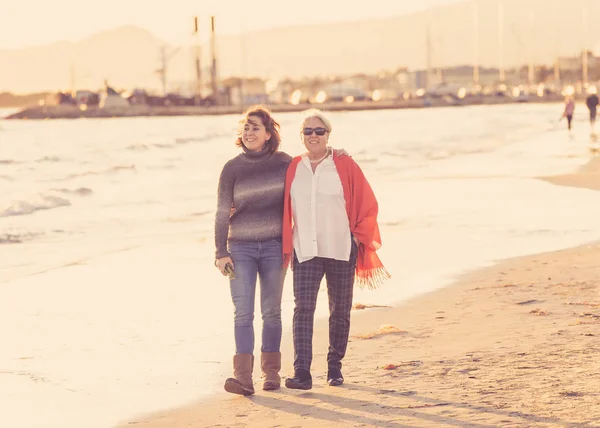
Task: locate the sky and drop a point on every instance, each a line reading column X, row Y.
column 40, row 22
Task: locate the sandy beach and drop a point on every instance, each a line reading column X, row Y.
column 515, row 344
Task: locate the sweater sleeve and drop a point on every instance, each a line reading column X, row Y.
column 224, row 205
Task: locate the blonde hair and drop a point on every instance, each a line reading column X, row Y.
column 314, row 112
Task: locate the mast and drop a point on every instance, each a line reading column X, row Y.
column 213, row 69
column 501, row 72
column 556, row 39
column 164, row 63
column 243, row 67
column 584, row 53
column 475, row 43
column 198, row 67
column 72, row 79
column 530, row 68
column 428, row 50
column 440, row 70
column 163, row 69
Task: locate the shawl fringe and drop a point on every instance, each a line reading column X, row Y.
column 372, row 279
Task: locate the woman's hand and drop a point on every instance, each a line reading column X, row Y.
column 222, row 262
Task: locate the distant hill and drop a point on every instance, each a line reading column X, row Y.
column 124, row 56
column 11, row 100
column 129, row 56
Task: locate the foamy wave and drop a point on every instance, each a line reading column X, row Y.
column 188, row 217
column 208, row 137
column 192, row 139
column 138, row 147
column 17, row 237
column 112, row 170
column 441, row 154
column 395, row 154
column 119, row 168
column 366, row 159
column 163, row 145
column 7, row 238
column 144, row 147
column 49, row 159
column 82, row 191
column 38, row 203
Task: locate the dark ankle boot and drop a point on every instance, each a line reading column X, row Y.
column 334, row 377
column 301, row 380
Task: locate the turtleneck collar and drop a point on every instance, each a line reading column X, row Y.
column 250, row 156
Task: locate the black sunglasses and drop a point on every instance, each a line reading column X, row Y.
column 319, row 131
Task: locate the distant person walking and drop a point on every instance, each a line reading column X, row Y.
column 569, row 110
column 592, row 102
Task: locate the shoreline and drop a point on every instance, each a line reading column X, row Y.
column 74, row 112
column 513, row 344
column 588, row 177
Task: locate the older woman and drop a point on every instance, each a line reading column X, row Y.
column 248, row 228
column 329, row 229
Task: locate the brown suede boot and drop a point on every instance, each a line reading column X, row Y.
column 241, row 382
column 271, row 364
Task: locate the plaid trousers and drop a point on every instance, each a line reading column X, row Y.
column 340, row 284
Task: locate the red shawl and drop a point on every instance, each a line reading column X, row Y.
column 362, row 209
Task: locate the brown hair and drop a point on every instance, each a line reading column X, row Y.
column 270, row 124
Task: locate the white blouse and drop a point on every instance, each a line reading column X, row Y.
column 321, row 227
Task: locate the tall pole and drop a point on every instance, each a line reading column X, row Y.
column 196, row 33
column 556, row 39
column 428, row 53
column 164, row 62
column 584, row 54
column 243, row 66
column 531, row 71
column 214, row 61
column 72, row 79
column 475, row 43
column 163, row 69
column 501, row 73
column 441, row 60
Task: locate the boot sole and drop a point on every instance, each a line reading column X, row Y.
column 271, row 386
column 235, row 387
column 305, row 386
column 335, row 382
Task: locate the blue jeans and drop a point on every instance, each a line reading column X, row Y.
column 249, row 259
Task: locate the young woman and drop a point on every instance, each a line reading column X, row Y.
column 248, row 238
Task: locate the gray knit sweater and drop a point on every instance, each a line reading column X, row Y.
column 253, row 185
